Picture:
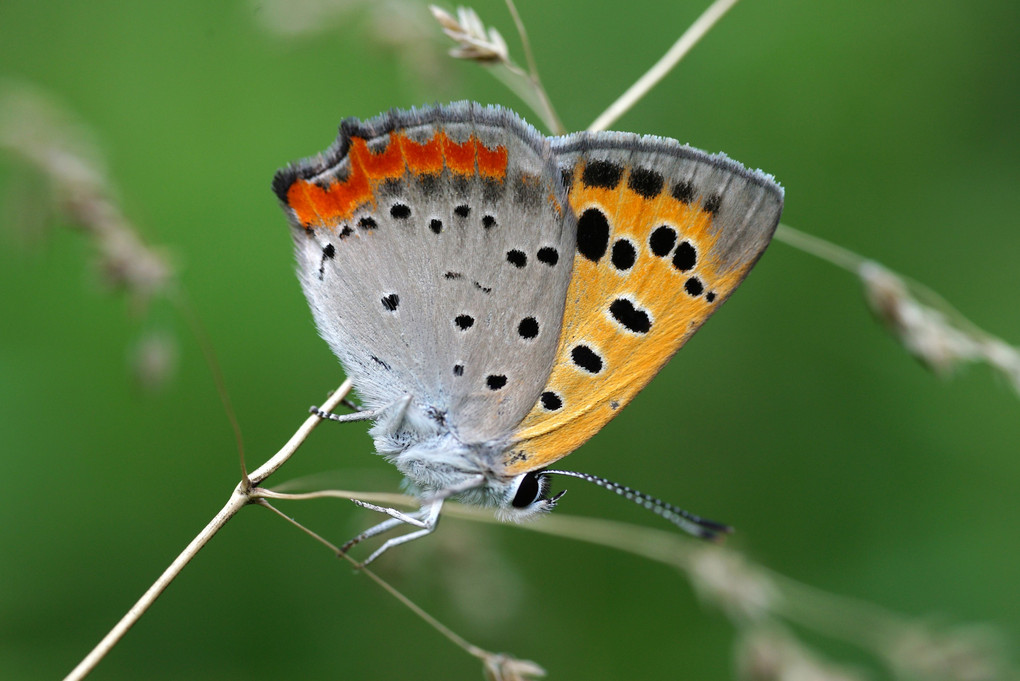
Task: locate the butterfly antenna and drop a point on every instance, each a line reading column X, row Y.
column 685, row 520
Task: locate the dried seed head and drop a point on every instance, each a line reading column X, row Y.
column 474, row 42
column 928, row 334
column 506, row 668
column 923, row 331
column 772, row 654
column 725, row 579
column 972, row 653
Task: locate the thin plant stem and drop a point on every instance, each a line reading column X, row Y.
column 237, row 501
column 820, row 248
column 281, row 457
column 680, row 48
column 518, row 82
column 240, row 497
column 554, row 122
column 853, row 262
column 184, row 307
column 304, row 528
column 432, row 621
column 386, row 498
column 659, row 545
column 758, row 593
column 451, row 635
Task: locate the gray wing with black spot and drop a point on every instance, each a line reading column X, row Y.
column 443, row 282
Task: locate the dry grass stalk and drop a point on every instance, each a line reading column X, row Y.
column 38, row 131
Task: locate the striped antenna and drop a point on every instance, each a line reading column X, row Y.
column 685, row 520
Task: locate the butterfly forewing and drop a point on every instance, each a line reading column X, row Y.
column 435, row 248
column 664, row 235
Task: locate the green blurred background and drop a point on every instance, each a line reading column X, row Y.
column 792, row 415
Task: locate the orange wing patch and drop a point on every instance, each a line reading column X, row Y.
column 318, row 206
column 644, row 280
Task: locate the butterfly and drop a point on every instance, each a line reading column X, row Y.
column 498, row 296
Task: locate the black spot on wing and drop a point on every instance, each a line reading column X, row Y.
column 495, row 381
column 587, row 359
column 623, row 255
column 662, row 240
column 400, row 211
column 686, row 256
column 683, row 191
column 712, row 204
column 551, row 401
column 390, row 302
column 630, row 317
column 602, row 174
column 328, row 253
column 528, row 328
column 548, row 255
column 592, row 234
column 645, row 182
column 517, row 258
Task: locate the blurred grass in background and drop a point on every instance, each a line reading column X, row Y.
column 792, row 415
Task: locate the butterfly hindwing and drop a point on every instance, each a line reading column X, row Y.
column 435, row 248
column 664, row 234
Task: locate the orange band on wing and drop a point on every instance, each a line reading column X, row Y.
column 491, row 163
column 317, row 206
column 314, row 205
column 386, row 164
column 460, row 158
column 423, row 159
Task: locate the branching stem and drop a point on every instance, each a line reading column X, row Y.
column 240, row 497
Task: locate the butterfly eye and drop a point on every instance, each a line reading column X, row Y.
column 531, row 488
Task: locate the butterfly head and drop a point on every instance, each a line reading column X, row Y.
column 530, row 497
column 445, row 467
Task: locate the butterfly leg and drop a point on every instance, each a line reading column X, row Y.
column 396, row 518
column 426, row 518
column 429, row 522
column 408, row 518
column 363, row 415
column 351, row 405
